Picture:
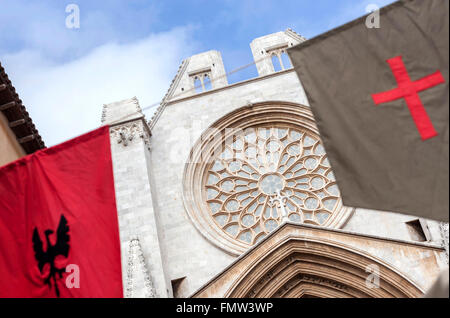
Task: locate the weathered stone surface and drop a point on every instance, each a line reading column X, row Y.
column 149, row 170
column 412, row 267
column 135, row 206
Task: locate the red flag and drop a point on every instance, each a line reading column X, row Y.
column 59, row 232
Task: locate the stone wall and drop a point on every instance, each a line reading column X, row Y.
column 148, row 173
column 415, row 263
column 263, row 48
column 142, row 259
column 189, row 254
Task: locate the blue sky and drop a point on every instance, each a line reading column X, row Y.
column 127, row 48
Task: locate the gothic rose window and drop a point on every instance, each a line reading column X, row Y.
column 254, row 170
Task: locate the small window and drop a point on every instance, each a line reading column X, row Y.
column 207, row 82
column 286, row 60
column 198, row 85
column 276, row 63
column 418, row 230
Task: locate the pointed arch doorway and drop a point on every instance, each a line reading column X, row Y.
column 293, row 264
column 300, row 267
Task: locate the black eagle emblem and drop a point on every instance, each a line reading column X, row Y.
column 61, row 247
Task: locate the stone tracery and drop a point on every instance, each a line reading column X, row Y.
column 248, row 163
column 262, row 162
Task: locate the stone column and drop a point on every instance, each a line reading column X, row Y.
column 142, row 260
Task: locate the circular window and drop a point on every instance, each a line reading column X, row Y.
column 254, row 169
column 271, row 184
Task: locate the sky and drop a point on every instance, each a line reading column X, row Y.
column 126, row 48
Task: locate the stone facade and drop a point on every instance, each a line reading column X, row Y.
column 149, row 169
column 298, row 249
column 273, row 45
column 138, row 223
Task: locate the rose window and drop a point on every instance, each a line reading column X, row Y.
column 256, row 168
column 265, row 172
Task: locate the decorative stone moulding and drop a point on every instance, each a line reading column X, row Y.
column 255, row 168
column 300, row 267
column 136, row 262
column 126, row 133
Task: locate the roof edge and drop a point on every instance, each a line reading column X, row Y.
column 18, row 117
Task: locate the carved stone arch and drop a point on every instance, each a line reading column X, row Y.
column 307, row 267
column 204, row 152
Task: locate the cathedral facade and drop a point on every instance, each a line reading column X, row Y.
column 228, row 192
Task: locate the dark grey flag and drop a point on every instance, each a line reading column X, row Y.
column 380, row 97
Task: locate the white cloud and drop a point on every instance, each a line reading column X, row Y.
column 65, row 100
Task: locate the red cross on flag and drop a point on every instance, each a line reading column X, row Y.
column 380, row 96
column 408, row 90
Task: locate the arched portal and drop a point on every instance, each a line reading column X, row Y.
column 308, row 267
